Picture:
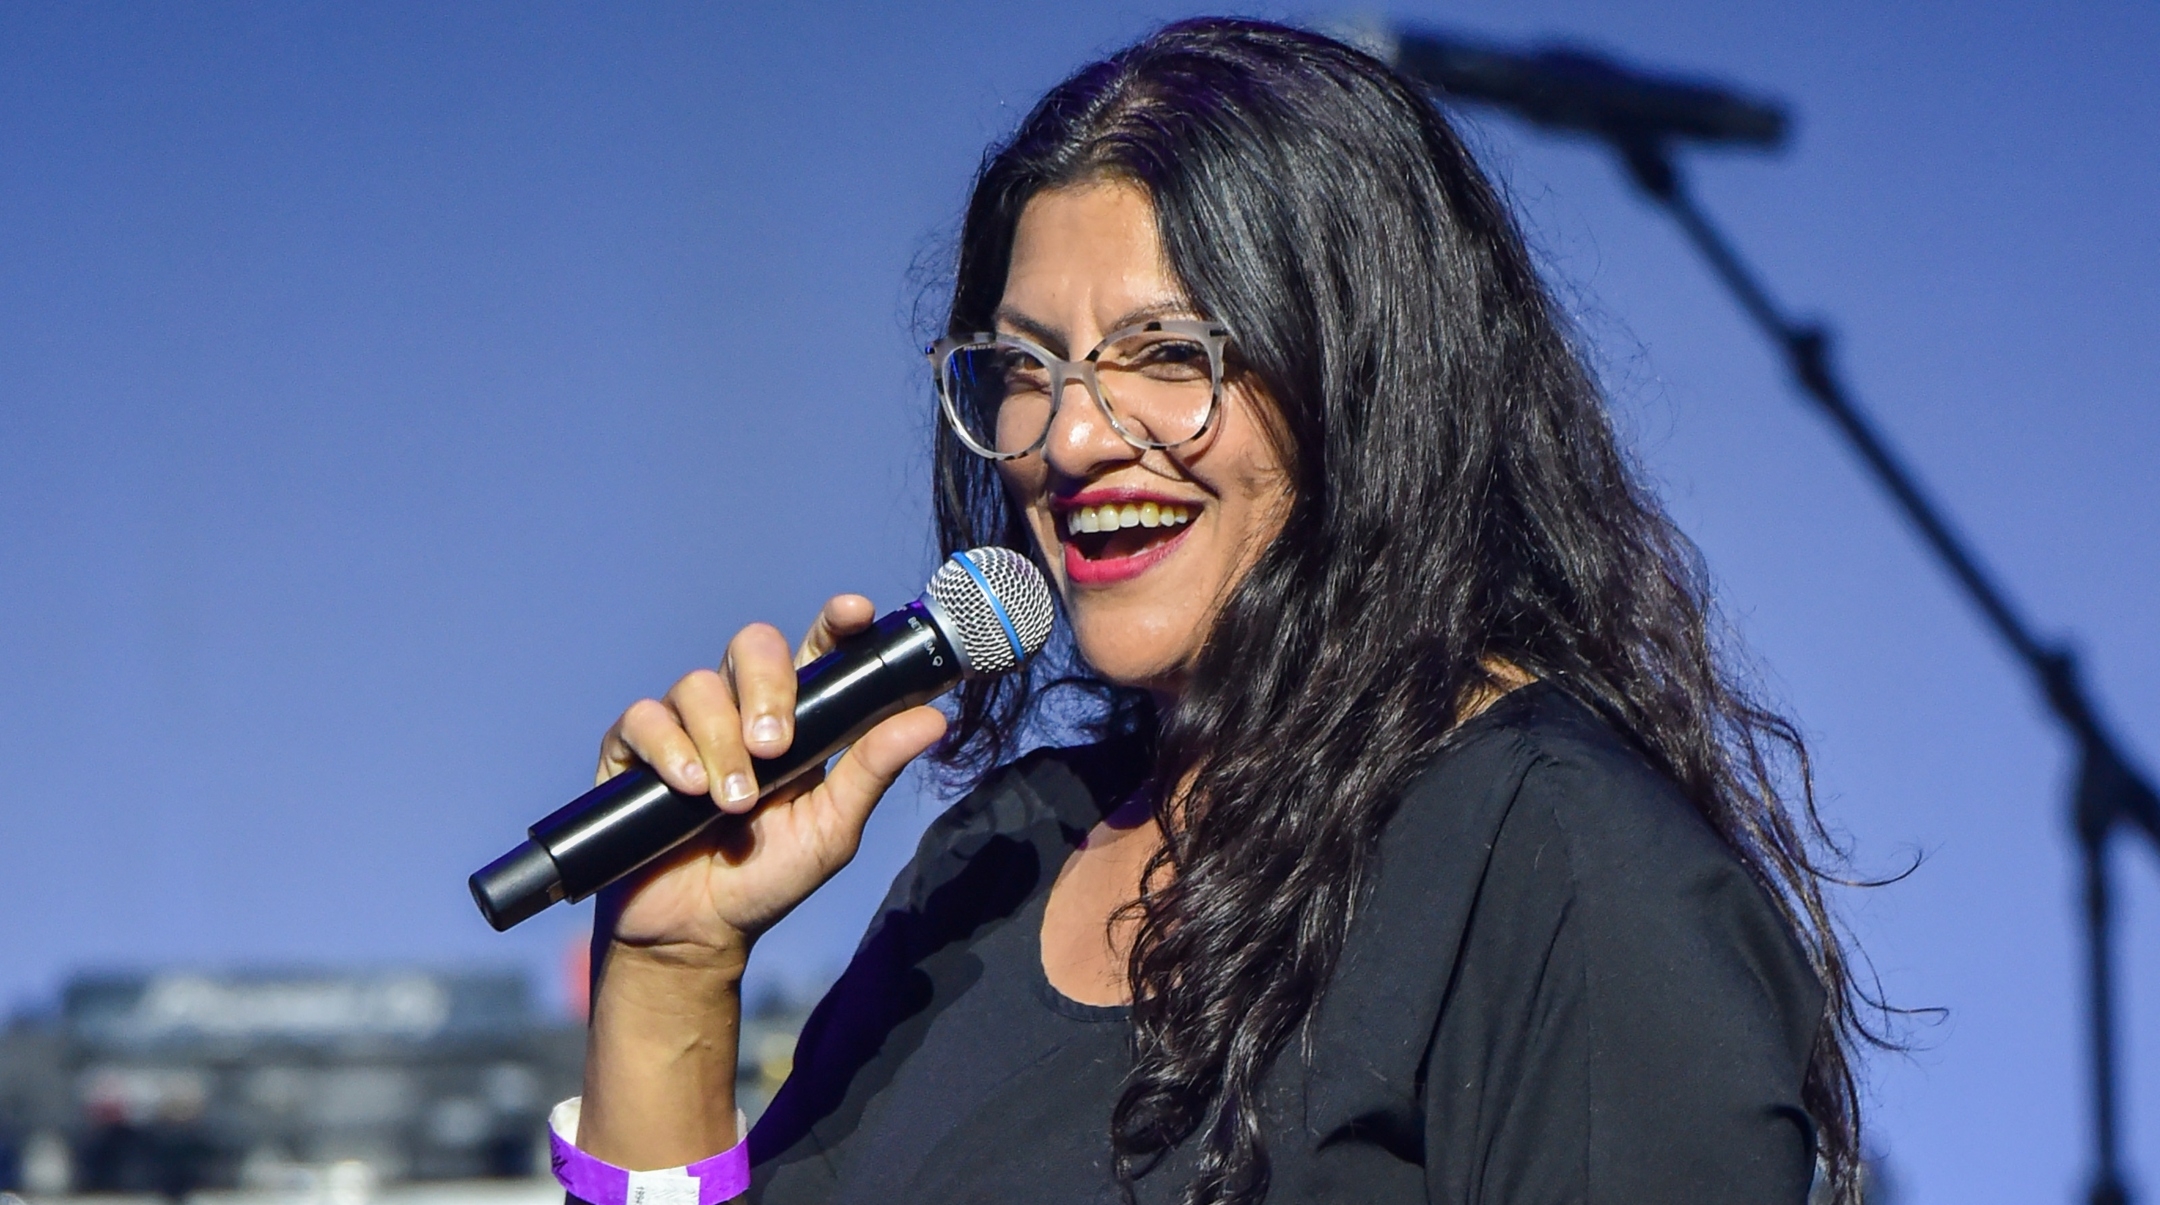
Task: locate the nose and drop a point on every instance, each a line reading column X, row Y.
column 1081, row 442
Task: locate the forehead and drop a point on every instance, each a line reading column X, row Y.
column 1084, row 256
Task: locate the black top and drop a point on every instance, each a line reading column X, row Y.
column 1561, row 987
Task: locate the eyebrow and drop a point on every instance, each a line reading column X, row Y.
column 1054, row 339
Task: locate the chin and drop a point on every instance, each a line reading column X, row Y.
column 1111, row 649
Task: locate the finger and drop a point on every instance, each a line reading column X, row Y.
column 763, row 678
column 615, row 755
column 705, row 707
column 842, row 616
column 651, row 732
column 867, row 770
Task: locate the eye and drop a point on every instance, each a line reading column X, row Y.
column 1166, row 359
column 1023, row 373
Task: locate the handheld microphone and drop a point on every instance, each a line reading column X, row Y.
column 985, row 612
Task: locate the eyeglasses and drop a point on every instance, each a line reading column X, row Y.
column 1159, row 383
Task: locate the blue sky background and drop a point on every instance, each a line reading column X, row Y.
column 390, row 394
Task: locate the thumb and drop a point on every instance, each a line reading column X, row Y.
column 867, row 770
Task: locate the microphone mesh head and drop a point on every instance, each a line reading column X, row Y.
column 988, row 642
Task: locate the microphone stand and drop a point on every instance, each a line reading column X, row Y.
column 2108, row 791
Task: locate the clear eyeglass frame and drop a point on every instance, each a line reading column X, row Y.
column 1212, row 335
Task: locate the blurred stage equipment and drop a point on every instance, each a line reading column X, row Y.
column 174, row 1082
column 1641, row 117
column 307, row 1087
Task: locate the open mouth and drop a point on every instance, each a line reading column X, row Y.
column 1116, row 530
column 1117, row 538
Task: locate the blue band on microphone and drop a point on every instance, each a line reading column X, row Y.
column 996, row 608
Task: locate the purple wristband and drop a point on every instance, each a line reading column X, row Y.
column 723, row 1177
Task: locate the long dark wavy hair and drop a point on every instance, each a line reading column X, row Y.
column 1458, row 497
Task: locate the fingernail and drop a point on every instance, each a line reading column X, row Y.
column 738, row 787
column 692, row 775
column 765, row 728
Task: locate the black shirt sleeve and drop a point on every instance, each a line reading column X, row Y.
column 1629, row 1020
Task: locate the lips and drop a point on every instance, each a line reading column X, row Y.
column 1115, row 535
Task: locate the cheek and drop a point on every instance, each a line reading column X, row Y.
column 1024, row 478
column 1245, row 468
column 1262, row 506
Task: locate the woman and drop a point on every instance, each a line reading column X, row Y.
column 1425, row 851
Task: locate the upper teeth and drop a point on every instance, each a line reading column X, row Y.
column 1112, row 515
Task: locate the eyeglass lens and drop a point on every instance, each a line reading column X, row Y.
column 1159, row 385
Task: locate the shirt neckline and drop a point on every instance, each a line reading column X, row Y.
column 1071, row 1009
column 1046, row 991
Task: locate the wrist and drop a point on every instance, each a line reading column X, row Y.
column 685, row 960
column 674, row 985
column 661, row 1053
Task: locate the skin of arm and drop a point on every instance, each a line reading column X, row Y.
column 670, row 944
column 660, row 1059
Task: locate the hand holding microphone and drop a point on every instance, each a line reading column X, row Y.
column 687, row 886
column 753, row 738
column 760, row 855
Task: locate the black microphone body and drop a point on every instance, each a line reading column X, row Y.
column 905, row 658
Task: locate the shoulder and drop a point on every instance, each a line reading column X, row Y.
column 1049, row 795
column 1626, row 1015
column 1539, row 847
column 1540, row 763
column 1606, row 896
column 1628, row 830
column 1598, row 838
